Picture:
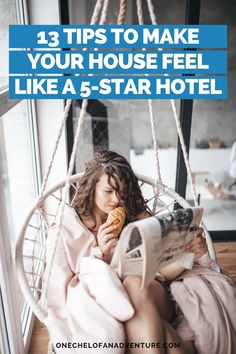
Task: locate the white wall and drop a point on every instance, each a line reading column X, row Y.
column 49, row 112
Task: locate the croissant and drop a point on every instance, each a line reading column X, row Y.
column 117, row 216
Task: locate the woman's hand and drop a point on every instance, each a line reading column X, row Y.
column 198, row 244
column 107, row 238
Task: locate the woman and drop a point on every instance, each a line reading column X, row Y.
column 87, row 300
column 109, row 182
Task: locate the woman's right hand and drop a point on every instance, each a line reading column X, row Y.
column 107, row 238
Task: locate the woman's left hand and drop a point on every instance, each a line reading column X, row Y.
column 198, row 244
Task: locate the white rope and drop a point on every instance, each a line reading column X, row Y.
column 72, row 160
column 140, row 12
column 104, row 12
column 155, row 140
column 63, row 121
column 122, row 12
column 190, row 178
column 97, row 10
column 151, row 12
column 58, row 138
column 152, row 122
column 176, row 117
column 150, row 107
column 184, row 150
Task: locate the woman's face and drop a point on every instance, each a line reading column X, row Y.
column 105, row 197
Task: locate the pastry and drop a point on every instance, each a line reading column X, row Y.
column 117, row 216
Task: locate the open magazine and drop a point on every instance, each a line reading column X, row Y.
column 147, row 245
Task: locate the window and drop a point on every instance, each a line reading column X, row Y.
column 18, row 162
column 18, row 187
column 4, row 344
column 126, row 127
column 8, row 15
column 213, row 137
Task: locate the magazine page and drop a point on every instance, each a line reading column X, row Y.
column 130, row 254
column 147, row 245
column 175, row 232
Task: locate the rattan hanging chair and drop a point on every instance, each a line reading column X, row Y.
column 30, row 247
column 30, row 254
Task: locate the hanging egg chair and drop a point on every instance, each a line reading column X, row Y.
column 30, row 254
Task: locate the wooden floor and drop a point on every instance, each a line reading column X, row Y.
column 39, row 339
column 226, row 256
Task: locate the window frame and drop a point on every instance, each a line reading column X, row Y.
column 17, row 327
column 10, row 310
column 186, row 108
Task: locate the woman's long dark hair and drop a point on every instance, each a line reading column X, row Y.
column 117, row 168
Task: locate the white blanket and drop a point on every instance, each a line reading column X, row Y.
column 88, row 304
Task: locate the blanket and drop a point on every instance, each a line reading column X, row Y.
column 207, row 300
column 85, row 298
column 87, row 304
